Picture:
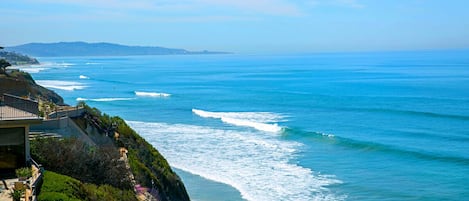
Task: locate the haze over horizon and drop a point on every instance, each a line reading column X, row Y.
column 242, row 26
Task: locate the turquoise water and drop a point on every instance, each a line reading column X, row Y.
column 349, row 126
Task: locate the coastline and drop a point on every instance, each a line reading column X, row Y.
column 345, row 147
column 153, row 167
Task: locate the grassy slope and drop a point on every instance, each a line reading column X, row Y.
column 60, row 187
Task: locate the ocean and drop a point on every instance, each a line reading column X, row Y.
column 291, row 127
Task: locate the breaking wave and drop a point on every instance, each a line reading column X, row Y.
column 62, row 85
column 263, row 121
column 104, row 99
column 83, row 77
column 36, row 68
column 260, row 166
column 151, row 94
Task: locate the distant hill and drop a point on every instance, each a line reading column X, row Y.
column 96, row 49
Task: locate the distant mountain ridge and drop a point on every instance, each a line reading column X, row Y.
column 96, row 49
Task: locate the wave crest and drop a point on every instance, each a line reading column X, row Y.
column 262, row 121
column 63, row 85
column 83, row 77
column 151, row 94
column 274, row 128
column 104, row 99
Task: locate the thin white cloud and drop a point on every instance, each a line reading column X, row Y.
column 343, row 3
column 190, row 10
column 351, row 3
column 274, row 7
column 269, row 7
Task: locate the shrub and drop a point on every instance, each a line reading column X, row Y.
column 90, row 164
column 16, row 194
column 60, row 187
column 24, row 172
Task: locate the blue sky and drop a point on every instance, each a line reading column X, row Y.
column 242, row 25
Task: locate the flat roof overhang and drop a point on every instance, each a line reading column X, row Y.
column 22, row 121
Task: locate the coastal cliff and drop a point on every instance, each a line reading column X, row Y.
column 17, row 59
column 101, row 166
column 149, row 168
column 21, row 84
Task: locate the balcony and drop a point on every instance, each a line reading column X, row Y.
column 17, row 108
column 29, row 188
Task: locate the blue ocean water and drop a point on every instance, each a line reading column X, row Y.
column 339, row 126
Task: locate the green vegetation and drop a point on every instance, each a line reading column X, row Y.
column 60, row 187
column 23, row 172
column 146, row 163
column 16, row 194
column 3, row 65
column 100, row 164
column 90, row 164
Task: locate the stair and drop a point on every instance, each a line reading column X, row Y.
column 41, row 135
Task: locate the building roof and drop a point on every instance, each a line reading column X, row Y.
column 9, row 114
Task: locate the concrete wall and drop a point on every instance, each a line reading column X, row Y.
column 64, row 126
column 58, row 124
column 70, row 113
column 51, row 124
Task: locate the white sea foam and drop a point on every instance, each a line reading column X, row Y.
column 63, row 64
column 63, row 85
column 263, row 121
column 264, row 117
column 104, row 99
column 92, row 63
column 32, row 69
column 151, row 94
column 83, row 77
column 35, row 68
column 260, row 166
column 259, row 126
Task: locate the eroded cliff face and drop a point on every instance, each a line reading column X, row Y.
column 148, row 167
column 22, row 84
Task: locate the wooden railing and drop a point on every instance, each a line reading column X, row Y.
column 21, row 103
column 14, row 107
column 37, row 180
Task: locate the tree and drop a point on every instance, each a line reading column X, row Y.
column 3, row 65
